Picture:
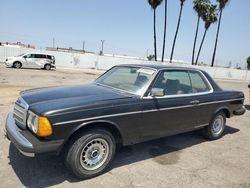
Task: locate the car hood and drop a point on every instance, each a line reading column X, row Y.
column 11, row 57
column 59, row 99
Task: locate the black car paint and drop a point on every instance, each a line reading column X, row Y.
column 136, row 118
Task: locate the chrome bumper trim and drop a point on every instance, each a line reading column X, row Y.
column 21, row 143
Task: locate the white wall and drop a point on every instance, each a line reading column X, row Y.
column 93, row 61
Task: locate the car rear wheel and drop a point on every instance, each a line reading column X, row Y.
column 47, row 67
column 90, row 154
column 17, row 65
column 216, row 127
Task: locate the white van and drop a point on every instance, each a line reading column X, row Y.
column 31, row 60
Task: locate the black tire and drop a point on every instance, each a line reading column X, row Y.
column 216, row 127
column 80, row 148
column 47, row 67
column 17, row 65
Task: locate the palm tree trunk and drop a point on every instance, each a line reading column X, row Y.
column 202, row 41
column 195, row 38
column 216, row 40
column 165, row 31
column 155, row 47
column 176, row 33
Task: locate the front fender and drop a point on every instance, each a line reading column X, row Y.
column 95, row 124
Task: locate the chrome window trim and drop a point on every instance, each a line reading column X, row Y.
column 145, row 111
column 183, row 95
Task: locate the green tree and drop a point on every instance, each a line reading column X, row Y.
column 177, row 29
column 200, row 7
column 151, row 57
column 154, row 4
column 165, row 30
column 248, row 63
column 210, row 17
column 222, row 5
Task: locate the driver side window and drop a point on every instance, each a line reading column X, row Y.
column 30, row 56
column 173, row 82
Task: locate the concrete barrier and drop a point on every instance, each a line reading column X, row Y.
column 93, row 61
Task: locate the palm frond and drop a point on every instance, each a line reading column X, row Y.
column 154, row 3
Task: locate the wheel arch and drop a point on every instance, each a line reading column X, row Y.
column 17, row 61
column 112, row 127
column 224, row 109
column 46, row 64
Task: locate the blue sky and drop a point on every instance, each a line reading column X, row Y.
column 126, row 27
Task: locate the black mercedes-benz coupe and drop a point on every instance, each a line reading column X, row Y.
column 126, row 105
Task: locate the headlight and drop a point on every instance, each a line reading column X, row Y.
column 39, row 125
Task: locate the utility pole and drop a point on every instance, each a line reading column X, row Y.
column 53, row 42
column 102, row 46
column 83, row 46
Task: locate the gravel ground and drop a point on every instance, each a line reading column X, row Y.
column 186, row 160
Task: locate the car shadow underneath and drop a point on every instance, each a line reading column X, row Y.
column 46, row 170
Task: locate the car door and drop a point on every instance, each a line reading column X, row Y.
column 174, row 111
column 39, row 61
column 29, row 60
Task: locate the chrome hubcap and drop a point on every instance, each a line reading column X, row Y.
column 218, row 125
column 18, row 65
column 94, row 154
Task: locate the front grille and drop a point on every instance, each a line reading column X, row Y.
column 20, row 112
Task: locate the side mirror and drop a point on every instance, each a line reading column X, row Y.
column 157, row 92
column 25, row 57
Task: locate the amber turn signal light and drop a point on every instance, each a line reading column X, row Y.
column 44, row 127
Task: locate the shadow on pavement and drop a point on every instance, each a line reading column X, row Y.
column 44, row 171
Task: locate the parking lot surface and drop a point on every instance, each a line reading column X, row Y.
column 185, row 160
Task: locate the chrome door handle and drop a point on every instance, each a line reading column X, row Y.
column 195, row 102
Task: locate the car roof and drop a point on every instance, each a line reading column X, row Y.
column 159, row 66
column 39, row 53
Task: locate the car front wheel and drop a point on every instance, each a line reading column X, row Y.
column 17, row 65
column 216, row 127
column 90, row 154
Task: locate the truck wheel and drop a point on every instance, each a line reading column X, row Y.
column 47, row 67
column 216, row 126
column 17, row 65
column 90, row 154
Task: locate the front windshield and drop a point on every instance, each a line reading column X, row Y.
column 129, row 79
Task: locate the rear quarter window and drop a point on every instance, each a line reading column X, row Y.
column 49, row 57
column 199, row 84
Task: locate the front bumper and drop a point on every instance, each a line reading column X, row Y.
column 28, row 144
column 8, row 64
column 14, row 134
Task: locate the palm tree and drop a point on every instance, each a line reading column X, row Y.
column 177, row 29
column 222, row 4
column 200, row 6
column 165, row 30
column 210, row 17
column 154, row 4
